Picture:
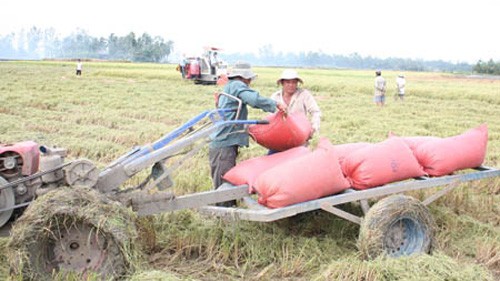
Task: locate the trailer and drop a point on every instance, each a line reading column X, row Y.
column 405, row 225
column 68, row 227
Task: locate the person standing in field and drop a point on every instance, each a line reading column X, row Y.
column 195, row 69
column 79, row 68
column 297, row 99
column 226, row 141
column 380, row 89
column 400, row 85
column 182, row 66
column 214, row 62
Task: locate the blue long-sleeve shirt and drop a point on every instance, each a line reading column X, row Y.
column 233, row 135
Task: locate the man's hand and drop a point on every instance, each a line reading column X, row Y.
column 281, row 106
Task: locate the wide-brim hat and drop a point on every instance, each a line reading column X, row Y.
column 289, row 74
column 242, row 69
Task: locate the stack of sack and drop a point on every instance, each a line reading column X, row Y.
column 291, row 176
column 298, row 174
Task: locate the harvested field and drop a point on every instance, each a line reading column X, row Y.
column 113, row 107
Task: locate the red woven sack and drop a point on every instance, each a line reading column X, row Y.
column 282, row 132
column 310, row 177
column 325, row 144
column 414, row 142
column 344, row 150
column 444, row 156
column 341, row 150
column 247, row 171
column 381, row 163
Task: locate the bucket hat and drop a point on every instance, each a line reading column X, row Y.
column 242, row 69
column 289, row 74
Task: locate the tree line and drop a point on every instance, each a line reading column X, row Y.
column 490, row 67
column 39, row 43
column 268, row 57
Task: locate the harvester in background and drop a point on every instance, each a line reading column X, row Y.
column 205, row 69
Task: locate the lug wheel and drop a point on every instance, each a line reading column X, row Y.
column 73, row 232
column 396, row 226
column 80, row 248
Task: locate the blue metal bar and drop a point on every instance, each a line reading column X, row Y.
column 220, row 113
column 240, row 122
column 138, row 163
column 166, row 138
column 177, row 132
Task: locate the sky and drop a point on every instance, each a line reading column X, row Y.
column 455, row 31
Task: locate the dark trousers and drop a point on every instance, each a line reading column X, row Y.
column 222, row 160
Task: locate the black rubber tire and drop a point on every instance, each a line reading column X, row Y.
column 73, row 232
column 396, row 226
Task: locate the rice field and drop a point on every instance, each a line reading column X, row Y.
column 113, row 107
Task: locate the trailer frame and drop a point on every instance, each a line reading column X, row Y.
column 253, row 211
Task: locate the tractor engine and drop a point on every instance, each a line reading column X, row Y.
column 17, row 161
column 20, row 159
column 27, row 158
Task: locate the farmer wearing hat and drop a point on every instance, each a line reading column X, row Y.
column 297, row 99
column 226, row 141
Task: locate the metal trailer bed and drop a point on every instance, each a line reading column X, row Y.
column 396, row 225
column 256, row 212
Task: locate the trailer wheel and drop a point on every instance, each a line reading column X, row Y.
column 398, row 225
column 73, row 232
column 7, row 200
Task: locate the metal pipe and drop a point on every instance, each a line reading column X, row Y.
column 139, row 163
column 164, row 140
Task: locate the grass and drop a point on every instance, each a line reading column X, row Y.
column 113, row 107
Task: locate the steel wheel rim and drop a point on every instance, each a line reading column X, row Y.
column 78, row 249
column 404, row 236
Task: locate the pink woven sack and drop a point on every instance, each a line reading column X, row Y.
column 381, row 163
column 310, row 177
column 446, row 155
column 247, row 171
column 282, row 132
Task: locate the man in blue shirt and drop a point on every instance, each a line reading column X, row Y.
column 223, row 149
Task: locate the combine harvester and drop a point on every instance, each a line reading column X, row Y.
column 81, row 219
column 206, row 69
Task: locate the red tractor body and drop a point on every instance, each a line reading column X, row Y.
column 20, row 159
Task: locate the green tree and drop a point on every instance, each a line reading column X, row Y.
column 149, row 49
column 121, row 48
column 35, row 39
column 490, row 67
column 7, row 50
column 51, row 43
column 77, row 45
